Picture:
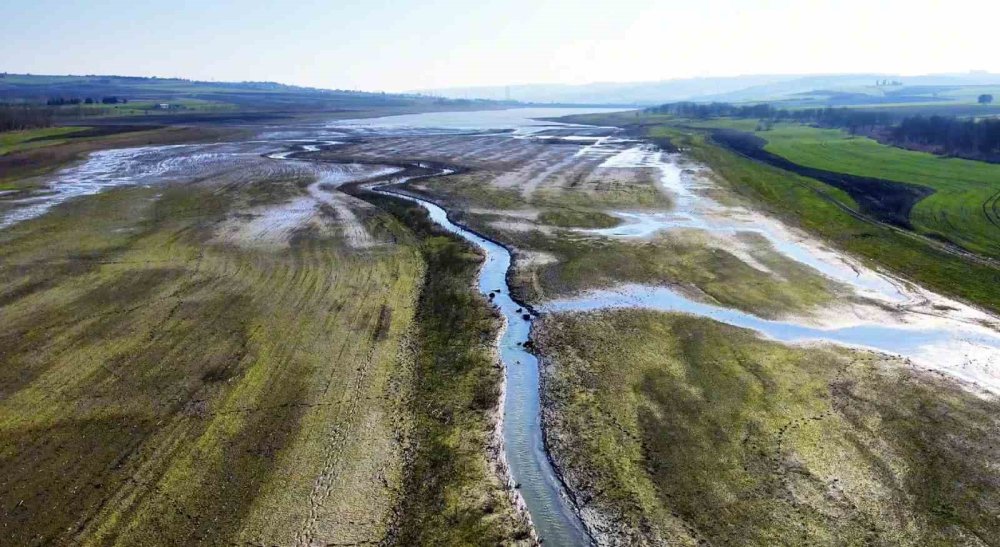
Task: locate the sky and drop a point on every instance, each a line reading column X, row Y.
column 403, row 45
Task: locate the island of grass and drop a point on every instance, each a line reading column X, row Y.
column 677, row 430
column 578, row 218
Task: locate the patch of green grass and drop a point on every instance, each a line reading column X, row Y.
column 605, row 194
column 684, row 430
column 473, row 190
column 577, row 218
column 12, row 141
column 963, row 207
column 800, row 201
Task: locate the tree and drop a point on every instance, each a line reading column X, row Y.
column 985, row 98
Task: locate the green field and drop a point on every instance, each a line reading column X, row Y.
column 963, row 208
column 145, row 107
column 199, row 98
column 15, row 141
column 685, row 431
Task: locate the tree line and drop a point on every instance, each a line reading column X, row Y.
column 846, row 118
column 978, row 139
column 18, row 117
column 950, row 135
column 61, row 101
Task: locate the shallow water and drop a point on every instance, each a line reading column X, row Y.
column 947, row 348
column 148, row 165
column 694, row 210
column 107, row 169
column 933, row 331
column 517, row 121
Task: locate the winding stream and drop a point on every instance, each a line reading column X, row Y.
column 554, row 519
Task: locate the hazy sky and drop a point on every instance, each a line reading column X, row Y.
column 409, row 44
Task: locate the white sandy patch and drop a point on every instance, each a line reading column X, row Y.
column 268, row 226
column 518, row 226
column 531, row 259
column 354, row 232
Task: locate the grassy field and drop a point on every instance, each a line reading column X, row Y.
column 145, row 107
column 685, row 431
column 963, row 208
column 15, row 141
column 197, row 99
column 578, row 218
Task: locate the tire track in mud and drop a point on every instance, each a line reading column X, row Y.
column 991, row 209
column 306, row 289
column 295, row 280
column 346, row 423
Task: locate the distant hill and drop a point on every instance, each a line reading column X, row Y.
column 199, row 95
column 734, row 89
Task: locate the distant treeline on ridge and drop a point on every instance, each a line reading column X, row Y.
column 977, row 139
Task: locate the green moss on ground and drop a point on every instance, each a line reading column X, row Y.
column 681, row 430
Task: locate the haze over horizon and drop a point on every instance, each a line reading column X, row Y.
column 404, row 45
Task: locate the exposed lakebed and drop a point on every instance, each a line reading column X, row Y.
column 935, row 332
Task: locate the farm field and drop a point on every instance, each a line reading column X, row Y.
column 963, row 207
column 13, row 141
